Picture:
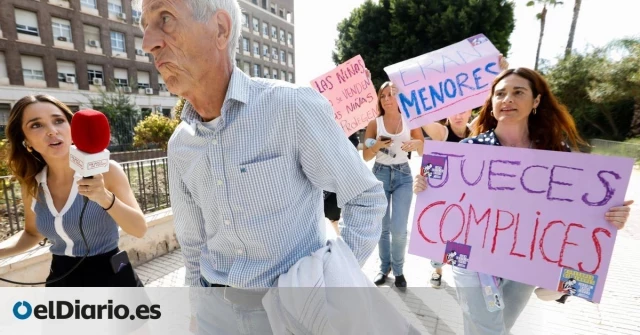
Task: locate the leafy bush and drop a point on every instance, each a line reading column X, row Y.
column 154, row 129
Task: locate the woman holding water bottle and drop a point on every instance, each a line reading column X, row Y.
column 393, row 143
column 520, row 112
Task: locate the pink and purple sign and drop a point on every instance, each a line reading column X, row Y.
column 351, row 93
column 445, row 82
column 532, row 216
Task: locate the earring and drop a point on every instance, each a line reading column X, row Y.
column 534, row 111
column 24, row 143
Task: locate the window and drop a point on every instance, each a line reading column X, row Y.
column 264, row 4
column 255, row 2
column 3, row 66
column 265, row 50
column 245, row 44
column 89, row 3
column 256, row 70
column 245, row 20
column 275, row 74
column 247, row 68
column 66, row 70
column 283, row 75
column 92, row 36
column 273, row 8
column 161, row 85
column 61, row 29
column 120, row 77
column 265, row 29
column 117, row 41
column 281, row 13
column 274, row 53
column 282, row 38
column 265, row 72
column 290, row 60
column 5, row 110
column 143, row 79
column 135, row 13
column 290, row 77
column 94, row 71
column 289, row 17
column 256, row 25
column 256, row 48
column 274, row 32
column 283, row 56
column 32, row 68
column 289, row 39
column 26, row 22
column 115, row 7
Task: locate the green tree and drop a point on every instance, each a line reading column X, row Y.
column 572, row 30
column 542, row 16
column 4, row 158
column 392, row 31
column 620, row 81
column 122, row 113
column 569, row 79
column 154, row 129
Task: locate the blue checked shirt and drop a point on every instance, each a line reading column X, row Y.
column 247, row 193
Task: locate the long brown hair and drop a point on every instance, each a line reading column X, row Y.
column 382, row 87
column 25, row 165
column 549, row 127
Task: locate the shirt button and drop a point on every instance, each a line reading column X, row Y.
column 239, row 251
column 219, row 182
column 214, row 141
column 227, row 222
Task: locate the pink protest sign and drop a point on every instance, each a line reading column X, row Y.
column 445, row 82
column 351, row 94
column 532, row 216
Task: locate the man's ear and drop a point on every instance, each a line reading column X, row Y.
column 223, row 23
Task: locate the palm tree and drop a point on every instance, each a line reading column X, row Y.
column 572, row 31
column 542, row 16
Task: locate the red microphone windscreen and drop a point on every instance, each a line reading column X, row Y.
column 90, row 131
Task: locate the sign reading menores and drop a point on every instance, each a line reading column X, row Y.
column 445, row 82
column 351, row 94
column 533, row 216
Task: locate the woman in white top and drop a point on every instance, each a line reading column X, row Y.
column 394, row 143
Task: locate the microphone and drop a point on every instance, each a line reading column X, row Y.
column 91, row 135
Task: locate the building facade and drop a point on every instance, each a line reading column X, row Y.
column 74, row 49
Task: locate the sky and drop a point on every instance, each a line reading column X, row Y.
column 600, row 21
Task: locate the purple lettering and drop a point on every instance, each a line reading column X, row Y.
column 522, row 178
column 610, row 191
column 491, row 173
column 553, row 181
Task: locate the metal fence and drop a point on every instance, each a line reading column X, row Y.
column 148, row 179
column 613, row 148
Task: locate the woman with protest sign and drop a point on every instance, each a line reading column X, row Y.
column 520, row 112
column 454, row 129
column 392, row 146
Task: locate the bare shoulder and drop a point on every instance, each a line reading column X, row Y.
column 115, row 175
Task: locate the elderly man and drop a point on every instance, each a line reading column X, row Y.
column 249, row 161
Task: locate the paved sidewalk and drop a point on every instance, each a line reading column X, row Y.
column 435, row 311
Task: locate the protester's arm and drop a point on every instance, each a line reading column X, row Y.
column 435, row 131
column 416, row 143
column 329, row 161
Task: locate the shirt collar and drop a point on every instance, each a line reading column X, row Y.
column 238, row 90
column 41, row 177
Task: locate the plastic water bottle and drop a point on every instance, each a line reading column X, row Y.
column 371, row 141
column 491, row 293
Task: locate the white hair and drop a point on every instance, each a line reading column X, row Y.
column 203, row 10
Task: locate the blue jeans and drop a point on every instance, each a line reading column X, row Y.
column 477, row 319
column 397, row 182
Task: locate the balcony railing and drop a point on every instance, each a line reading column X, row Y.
column 148, row 179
